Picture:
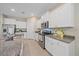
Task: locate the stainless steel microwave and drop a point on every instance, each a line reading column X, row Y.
column 45, row 25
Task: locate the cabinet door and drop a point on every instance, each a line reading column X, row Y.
column 56, row 48
column 40, row 37
column 49, row 44
column 60, row 49
column 51, row 20
column 36, row 36
column 62, row 16
column 45, row 17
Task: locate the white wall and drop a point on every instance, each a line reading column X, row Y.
column 31, row 27
column 77, row 27
column 1, row 22
column 19, row 24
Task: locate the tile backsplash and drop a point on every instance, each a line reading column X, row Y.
column 67, row 31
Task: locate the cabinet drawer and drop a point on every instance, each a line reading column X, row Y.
column 62, row 43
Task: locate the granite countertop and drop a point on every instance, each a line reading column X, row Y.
column 66, row 39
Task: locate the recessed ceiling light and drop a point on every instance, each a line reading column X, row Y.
column 12, row 9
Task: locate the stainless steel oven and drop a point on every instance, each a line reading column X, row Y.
column 41, row 41
column 41, row 36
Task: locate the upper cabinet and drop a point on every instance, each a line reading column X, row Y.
column 45, row 17
column 62, row 16
column 9, row 21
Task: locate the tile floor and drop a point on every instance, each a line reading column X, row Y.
column 30, row 48
column 33, row 49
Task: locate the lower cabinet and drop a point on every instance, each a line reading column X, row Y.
column 59, row 48
column 39, row 37
column 36, row 36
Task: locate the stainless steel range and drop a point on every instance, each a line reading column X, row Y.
column 42, row 34
column 41, row 41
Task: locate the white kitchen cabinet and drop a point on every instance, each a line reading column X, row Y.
column 59, row 48
column 45, row 17
column 42, row 19
column 25, row 35
column 36, row 36
column 39, row 37
column 63, row 16
column 48, row 45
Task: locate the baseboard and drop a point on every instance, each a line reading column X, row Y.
column 48, row 52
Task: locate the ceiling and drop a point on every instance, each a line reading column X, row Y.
column 24, row 10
